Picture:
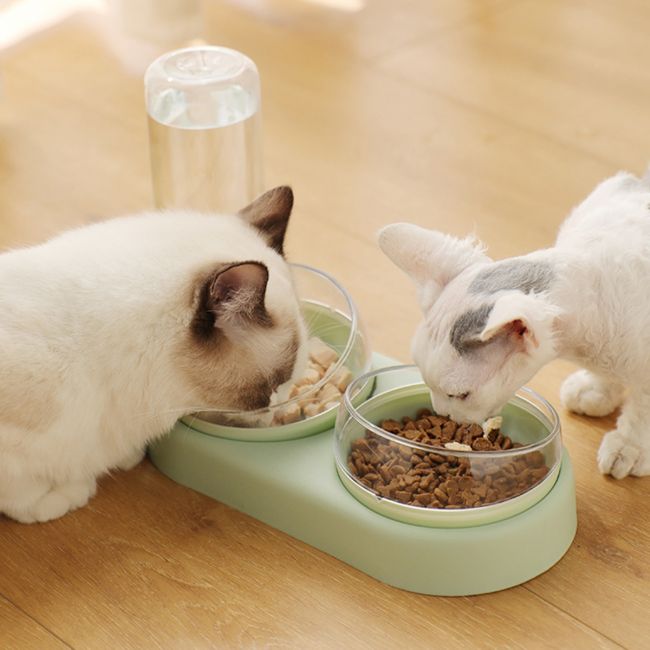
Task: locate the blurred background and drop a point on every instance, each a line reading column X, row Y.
column 492, row 116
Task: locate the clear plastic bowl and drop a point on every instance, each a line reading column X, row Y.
column 464, row 488
column 332, row 316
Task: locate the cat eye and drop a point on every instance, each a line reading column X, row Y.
column 460, row 396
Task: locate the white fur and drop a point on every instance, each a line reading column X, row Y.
column 595, row 311
column 90, row 330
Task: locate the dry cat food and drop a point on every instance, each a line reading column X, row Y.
column 322, row 360
column 430, row 480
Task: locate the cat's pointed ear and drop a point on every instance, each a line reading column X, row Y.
column 270, row 213
column 526, row 321
column 429, row 257
column 233, row 295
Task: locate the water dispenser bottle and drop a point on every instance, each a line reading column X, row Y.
column 203, row 106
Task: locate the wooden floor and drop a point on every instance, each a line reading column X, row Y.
column 492, row 116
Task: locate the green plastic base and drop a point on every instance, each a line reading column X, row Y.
column 294, row 487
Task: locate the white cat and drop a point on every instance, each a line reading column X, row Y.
column 490, row 326
column 111, row 332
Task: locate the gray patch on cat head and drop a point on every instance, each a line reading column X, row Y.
column 509, row 275
column 464, row 332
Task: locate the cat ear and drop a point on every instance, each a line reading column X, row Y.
column 526, row 320
column 236, row 293
column 269, row 213
column 429, row 257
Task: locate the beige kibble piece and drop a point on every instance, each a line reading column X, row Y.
column 290, row 413
column 318, row 368
column 320, row 352
column 312, row 409
column 307, row 400
column 293, row 392
column 491, row 424
column 311, row 376
column 305, row 393
column 328, row 393
column 341, row 378
column 457, row 446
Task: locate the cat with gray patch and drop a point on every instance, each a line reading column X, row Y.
column 489, row 326
column 111, row 332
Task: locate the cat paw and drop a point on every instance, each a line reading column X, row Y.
column 55, row 503
column 133, row 459
column 619, row 458
column 586, row 394
column 642, row 465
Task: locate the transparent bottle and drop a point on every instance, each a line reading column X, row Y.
column 203, row 106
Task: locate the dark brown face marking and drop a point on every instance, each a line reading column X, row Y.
column 464, row 332
column 270, row 213
column 257, row 394
column 285, row 370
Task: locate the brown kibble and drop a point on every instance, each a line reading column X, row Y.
column 425, row 481
column 391, row 426
column 440, row 495
column 475, row 430
column 535, row 459
column 383, row 490
column 481, row 490
column 452, row 486
column 481, row 444
column 430, row 480
column 436, row 432
column 405, row 452
column 385, row 474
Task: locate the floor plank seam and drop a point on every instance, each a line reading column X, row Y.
column 394, row 76
column 450, row 28
column 36, row 621
column 376, row 64
column 573, row 617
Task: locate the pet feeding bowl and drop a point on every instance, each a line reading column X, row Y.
column 330, row 315
column 296, row 478
column 528, row 419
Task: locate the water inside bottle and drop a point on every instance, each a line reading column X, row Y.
column 205, row 155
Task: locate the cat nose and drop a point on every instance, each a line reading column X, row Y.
column 459, row 396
